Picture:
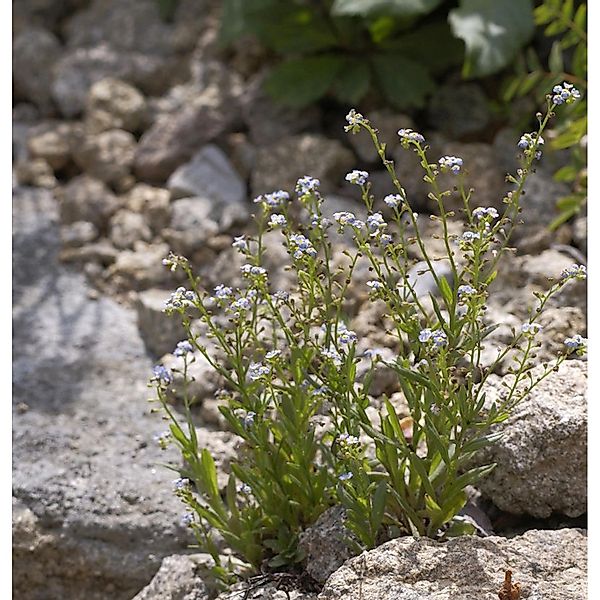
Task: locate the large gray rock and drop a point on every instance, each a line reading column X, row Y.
column 209, row 175
column 141, row 267
column 151, row 202
column 549, row 565
column 541, row 460
column 94, row 512
column 34, row 53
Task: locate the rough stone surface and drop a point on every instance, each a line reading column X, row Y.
column 55, row 142
column 114, row 104
column 78, row 234
column 180, row 577
column 108, row 156
column 549, row 565
column 324, row 544
column 580, row 233
column 34, row 53
column 141, row 267
column 87, row 199
column 265, row 591
column 281, row 164
column 539, row 201
column 127, row 227
column 542, row 457
column 36, row 172
column 459, row 110
column 95, row 513
column 159, row 331
column 153, row 203
column 78, row 69
column 209, row 175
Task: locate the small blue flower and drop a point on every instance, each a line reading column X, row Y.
column 347, row 218
column 240, row 243
column 357, row 177
column 530, row 329
column 188, row 519
column 574, row 272
column 272, row 354
column 565, row 93
column 183, row 348
column 469, row 236
column 255, row 270
column 347, row 337
column 277, row 221
column 307, row 185
column 244, row 489
column 180, row 299
column 181, row 484
column 484, row 213
column 576, row 342
column 162, row 375
column 241, row 304
column 273, row 200
column 466, row 290
column 375, row 285
column 408, row 136
column 451, row 163
column 425, row 335
column 333, row 355
column 345, row 476
column 223, row 292
column 257, row 371
column 354, row 120
column 376, row 223
column 393, row 200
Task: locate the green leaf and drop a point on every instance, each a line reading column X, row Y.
column 404, row 82
column 572, row 136
column 352, row 82
column 493, row 32
column 298, row 82
column 398, row 8
column 555, row 59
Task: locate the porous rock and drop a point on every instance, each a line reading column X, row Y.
column 108, row 156
column 85, row 198
column 127, row 227
column 55, row 142
column 180, row 577
column 549, row 565
column 152, row 202
column 281, row 164
column 325, row 544
column 541, row 459
column 114, row 104
column 78, row 233
column 141, row 267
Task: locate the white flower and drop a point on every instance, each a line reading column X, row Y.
column 357, row 177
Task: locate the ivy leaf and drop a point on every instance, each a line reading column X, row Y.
column 398, row 8
column 404, row 82
column 300, row 81
column 493, row 32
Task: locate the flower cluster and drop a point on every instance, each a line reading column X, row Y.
column 183, row 348
column 354, row 120
column 162, row 375
column 180, row 299
column 530, row 143
column 530, row 329
column 347, row 218
column 357, row 177
column 488, row 213
column 277, row 221
column 173, row 261
column 393, row 200
column 257, row 371
column 574, row 272
column 240, row 243
column 450, row 163
column 272, row 200
column 307, row 185
column 408, row 136
column 223, row 292
column 576, row 343
column 436, row 336
column 565, row 93
column 249, row 270
column 301, row 246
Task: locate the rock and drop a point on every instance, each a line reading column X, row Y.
column 269, row 121
column 314, row 155
column 85, row 198
column 127, row 227
column 459, row 110
column 141, row 267
column 267, row 590
column 539, row 201
column 547, row 564
column 78, row 233
column 421, row 279
column 160, row 332
column 79, row 68
column 152, row 202
column 209, row 175
column 180, row 577
column 46, row 13
column 191, row 225
column 542, row 456
column 325, row 544
column 35, row 51
column 108, row 156
column 98, row 253
column 36, row 172
column 114, row 104
column 55, row 142
column 94, row 513
column 186, row 119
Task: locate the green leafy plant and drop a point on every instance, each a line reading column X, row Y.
column 565, row 22
column 293, row 397
column 347, row 47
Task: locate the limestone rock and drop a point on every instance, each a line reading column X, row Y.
column 549, row 565
column 542, row 456
column 114, row 104
column 55, row 142
column 85, row 198
column 127, row 227
column 78, row 233
column 141, row 267
column 151, row 202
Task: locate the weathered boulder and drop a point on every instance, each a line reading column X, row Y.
column 547, row 564
column 55, row 142
column 127, row 227
column 541, row 460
